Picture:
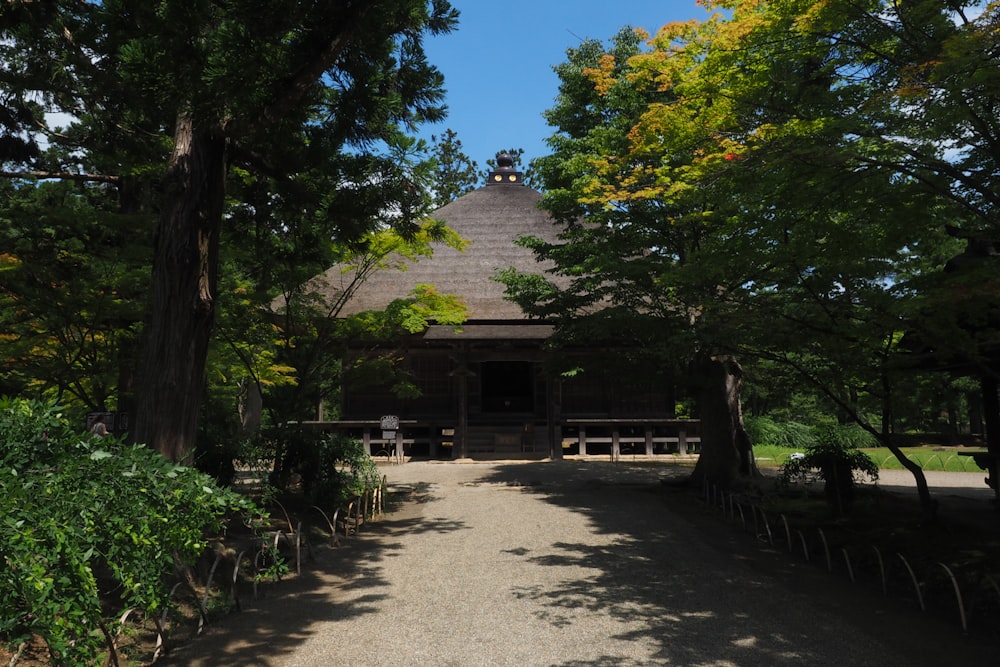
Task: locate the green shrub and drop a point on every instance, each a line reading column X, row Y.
column 84, row 517
column 327, row 469
column 32, row 433
column 795, row 435
column 834, row 458
column 346, row 470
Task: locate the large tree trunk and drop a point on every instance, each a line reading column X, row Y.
column 991, row 412
column 184, row 279
column 726, row 451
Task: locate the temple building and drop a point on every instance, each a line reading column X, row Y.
column 484, row 390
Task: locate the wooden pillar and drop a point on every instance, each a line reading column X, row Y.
column 682, row 442
column 583, row 440
column 616, row 446
column 460, row 447
column 649, row 440
column 366, row 439
column 553, row 417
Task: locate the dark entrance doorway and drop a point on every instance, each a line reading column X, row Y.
column 508, row 386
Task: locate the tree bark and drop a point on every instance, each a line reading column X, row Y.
column 726, row 451
column 185, row 271
column 991, row 412
column 251, row 407
column 928, row 505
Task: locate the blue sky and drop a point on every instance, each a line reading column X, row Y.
column 498, row 63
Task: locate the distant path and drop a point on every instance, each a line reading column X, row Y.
column 568, row 564
column 970, row 485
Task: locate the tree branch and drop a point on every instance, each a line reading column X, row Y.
column 299, row 84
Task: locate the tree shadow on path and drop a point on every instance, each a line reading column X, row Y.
column 337, row 583
column 667, row 571
column 679, row 576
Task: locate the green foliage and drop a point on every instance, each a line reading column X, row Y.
column 315, row 334
column 795, row 435
column 304, row 109
column 71, row 292
column 766, row 431
column 31, row 433
column 88, row 522
column 345, row 470
column 455, row 173
column 835, row 459
column 326, row 469
column 771, row 183
column 829, row 449
column 853, row 436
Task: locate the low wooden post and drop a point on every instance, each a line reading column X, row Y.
column 649, row 440
column 616, row 448
column 583, row 440
column 682, row 443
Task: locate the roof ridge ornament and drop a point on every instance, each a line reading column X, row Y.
column 505, row 174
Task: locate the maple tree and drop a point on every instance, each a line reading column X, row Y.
column 776, row 182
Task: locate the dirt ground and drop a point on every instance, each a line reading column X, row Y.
column 967, row 532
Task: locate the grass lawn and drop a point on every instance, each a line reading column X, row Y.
column 928, row 457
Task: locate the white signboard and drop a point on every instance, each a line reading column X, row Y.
column 390, row 423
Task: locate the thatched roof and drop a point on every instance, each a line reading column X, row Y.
column 489, row 219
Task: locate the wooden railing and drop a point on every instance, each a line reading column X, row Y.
column 411, row 432
column 640, row 436
column 584, row 436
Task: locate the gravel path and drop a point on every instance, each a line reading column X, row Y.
column 563, row 563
